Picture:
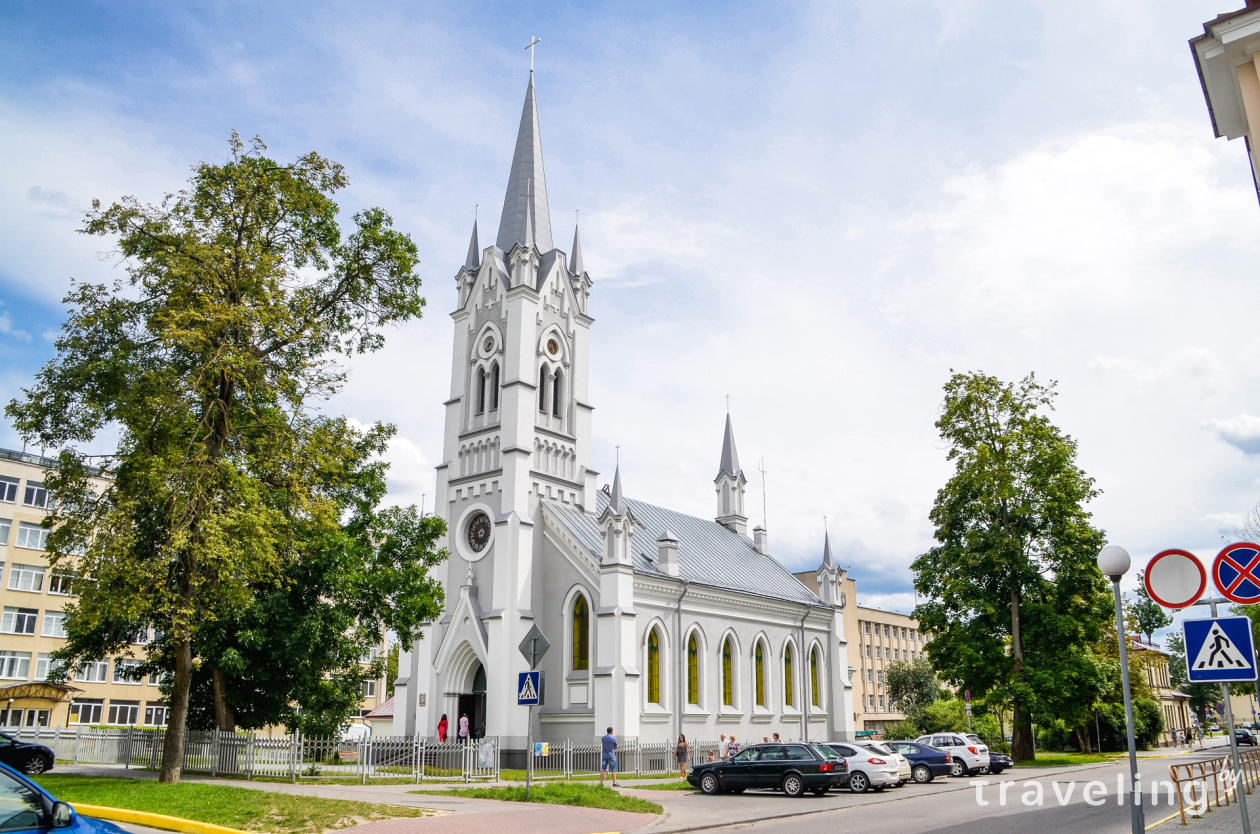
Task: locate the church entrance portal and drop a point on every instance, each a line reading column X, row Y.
column 473, row 704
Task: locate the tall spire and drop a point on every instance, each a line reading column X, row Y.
column 827, row 560
column 473, row 262
column 615, row 502
column 730, row 457
column 575, row 260
column 525, row 205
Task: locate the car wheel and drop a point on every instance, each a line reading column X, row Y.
column 820, row 791
column 34, row 766
column 793, row 785
column 922, row 774
column 709, row 784
column 858, row 783
column 996, row 770
column 957, row 768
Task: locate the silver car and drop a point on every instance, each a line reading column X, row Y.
column 868, row 769
column 904, row 771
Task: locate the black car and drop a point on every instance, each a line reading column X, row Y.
column 926, row 763
column 999, row 762
column 790, row 767
column 1244, row 736
column 25, row 757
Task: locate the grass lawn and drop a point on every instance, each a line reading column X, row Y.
column 676, row 785
column 1065, row 759
column 242, row 808
column 561, row 793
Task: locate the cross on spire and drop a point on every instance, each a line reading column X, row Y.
column 535, row 41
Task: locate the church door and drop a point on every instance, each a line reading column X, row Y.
column 473, row 704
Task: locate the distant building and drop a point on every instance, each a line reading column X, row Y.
column 1174, row 704
column 876, row 639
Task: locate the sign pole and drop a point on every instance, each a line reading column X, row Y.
column 529, row 750
column 1240, row 789
column 1137, row 813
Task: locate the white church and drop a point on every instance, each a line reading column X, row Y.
column 660, row 623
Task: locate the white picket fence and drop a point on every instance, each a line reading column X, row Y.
column 567, row 759
column 250, row 754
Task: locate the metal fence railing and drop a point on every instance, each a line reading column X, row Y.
column 1201, row 785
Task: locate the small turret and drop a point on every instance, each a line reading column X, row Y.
column 730, row 483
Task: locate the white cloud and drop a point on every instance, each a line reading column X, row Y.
column 1241, row 432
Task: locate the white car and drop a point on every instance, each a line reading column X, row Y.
column 868, row 769
column 980, row 745
column 904, row 771
column 965, row 754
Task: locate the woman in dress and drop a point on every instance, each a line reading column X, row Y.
column 681, row 753
column 442, row 725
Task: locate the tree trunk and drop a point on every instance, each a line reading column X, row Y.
column 1082, row 738
column 1022, row 749
column 177, row 725
column 224, row 715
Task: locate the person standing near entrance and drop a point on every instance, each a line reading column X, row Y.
column 681, row 753
column 608, row 758
column 442, row 727
column 463, row 728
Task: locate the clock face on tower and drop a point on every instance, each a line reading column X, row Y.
column 478, row 532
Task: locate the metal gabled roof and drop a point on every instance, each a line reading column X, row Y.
column 708, row 553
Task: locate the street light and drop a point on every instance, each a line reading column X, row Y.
column 1114, row 563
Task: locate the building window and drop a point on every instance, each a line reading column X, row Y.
column 8, row 489
column 728, row 694
column 903, row 634
column 912, row 637
column 96, row 671
column 879, row 653
column 871, row 700
column 881, row 702
column 879, row 678
column 581, row 634
column 123, row 713
column 369, row 689
column 896, row 654
column 654, row 668
column 18, row 620
column 24, row 718
column 26, row 578
column 759, row 672
column 31, row 536
column 789, row 698
column 481, row 390
column 15, row 666
column 156, row 716
column 36, row 496
column 870, row 676
column 54, row 624
column 868, row 628
column 61, row 583
column 6, row 524
column 157, row 678
column 43, row 664
column 886, row 630
column 494, row 387
column 693, row 671
column 123, row 674
column 542, row 390
column 556, row 383
column 86, row 712
column 868, row 650
column 813, row 677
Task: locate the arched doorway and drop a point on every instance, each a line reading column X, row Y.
column 473, row 704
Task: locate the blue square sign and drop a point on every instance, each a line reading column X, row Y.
column 529, row 691
column 1219, row 650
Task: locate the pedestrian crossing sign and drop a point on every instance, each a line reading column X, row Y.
column 529, row 690
column 1219, row 650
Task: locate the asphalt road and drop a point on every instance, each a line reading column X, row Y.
column 945, row 806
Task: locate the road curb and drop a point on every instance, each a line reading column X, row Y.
column 161, row 821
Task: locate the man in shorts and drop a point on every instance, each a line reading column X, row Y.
column 608, row 758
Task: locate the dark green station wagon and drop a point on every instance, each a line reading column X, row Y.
column 789, row 767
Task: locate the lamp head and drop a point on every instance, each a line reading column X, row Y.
column 1114, row 561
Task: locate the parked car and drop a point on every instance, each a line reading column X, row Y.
column 965, row 756
column 981, row 747
column 1245, row 736
column 26, row 807
column 867, row 769
column 29, row 758
column 1214, row 728
column 791, row 767
column 926, row 763
column 904, row 772
column 999, row 762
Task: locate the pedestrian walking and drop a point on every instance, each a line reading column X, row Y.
column 608, row 757
column 442, row 727
column 724, row 747
column 682, row 753
column 733, row 749
column 463, row 729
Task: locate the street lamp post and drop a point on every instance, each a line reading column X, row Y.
column 1114, row 563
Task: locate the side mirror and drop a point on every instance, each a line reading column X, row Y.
column 62, row 815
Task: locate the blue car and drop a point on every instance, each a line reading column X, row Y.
column 26, row 807
column 926, row 763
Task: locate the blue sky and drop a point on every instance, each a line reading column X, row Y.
column 818, row 209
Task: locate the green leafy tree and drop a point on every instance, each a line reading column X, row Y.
column 208, row 363
column 1145, row 615
column 1011, row 593
column 911, row 685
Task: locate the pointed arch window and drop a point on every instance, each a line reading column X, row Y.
column 728, row 694
column 789, row 695
column 813, row 677
column 581, row 635
column 759, row 672
column 494, row 387
column 726, row 498
column 556, row 383
column 693, row 671
column 542, row 390
column 481, row 390
column 654, row 667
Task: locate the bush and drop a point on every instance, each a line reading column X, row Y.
column 943, row 717
column 901, row 730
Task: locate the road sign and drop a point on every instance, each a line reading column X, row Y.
column 1219, row 650
column 1236, row 573
column 529, row 689
column 967, row 695
column 1175, row 578
column 534, row 646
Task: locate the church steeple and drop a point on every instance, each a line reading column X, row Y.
column 473, row 262
column 526, row 219
column 575, row 260
column 730, row 483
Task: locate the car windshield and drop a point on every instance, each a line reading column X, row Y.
column 20, row 807
column 975, row 739
column 826, row 752
column 749, row 755
column 876, row 747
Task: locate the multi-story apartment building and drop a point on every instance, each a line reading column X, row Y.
column 32, row 626
column 876, row 639
column 1174, row 704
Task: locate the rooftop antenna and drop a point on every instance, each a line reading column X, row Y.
column 535, row 41
column 761, row 467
